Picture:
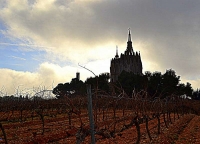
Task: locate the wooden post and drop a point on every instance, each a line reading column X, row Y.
column 90, row 114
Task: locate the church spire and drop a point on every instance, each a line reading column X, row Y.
column 129, row 50
column 129, row 34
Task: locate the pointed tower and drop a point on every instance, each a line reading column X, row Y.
column 129, row 49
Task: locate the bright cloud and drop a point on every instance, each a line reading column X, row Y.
column 48, row 75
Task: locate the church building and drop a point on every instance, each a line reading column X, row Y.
column 130, row 61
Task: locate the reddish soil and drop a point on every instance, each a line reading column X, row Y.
column 186, row 129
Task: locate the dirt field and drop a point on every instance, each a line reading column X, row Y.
column 186, row 129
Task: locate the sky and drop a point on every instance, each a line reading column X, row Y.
column 43, row 42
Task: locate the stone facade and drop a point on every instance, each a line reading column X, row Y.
column 130, row 61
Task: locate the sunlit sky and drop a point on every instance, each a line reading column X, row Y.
column 43, row 41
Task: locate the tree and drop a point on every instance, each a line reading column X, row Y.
column 93, row 81
column 169, row 82
column 126, row 80
column 196, row 95
column 102, row 81
column 154, row 84
column 188, row 89
column 181, row 89
column 60, row 90
column 74, row 87
column 130, row 81
column 77, row 86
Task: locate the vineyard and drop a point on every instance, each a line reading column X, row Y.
column 117, row 119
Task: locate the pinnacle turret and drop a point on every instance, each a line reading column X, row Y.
column 116, row 56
